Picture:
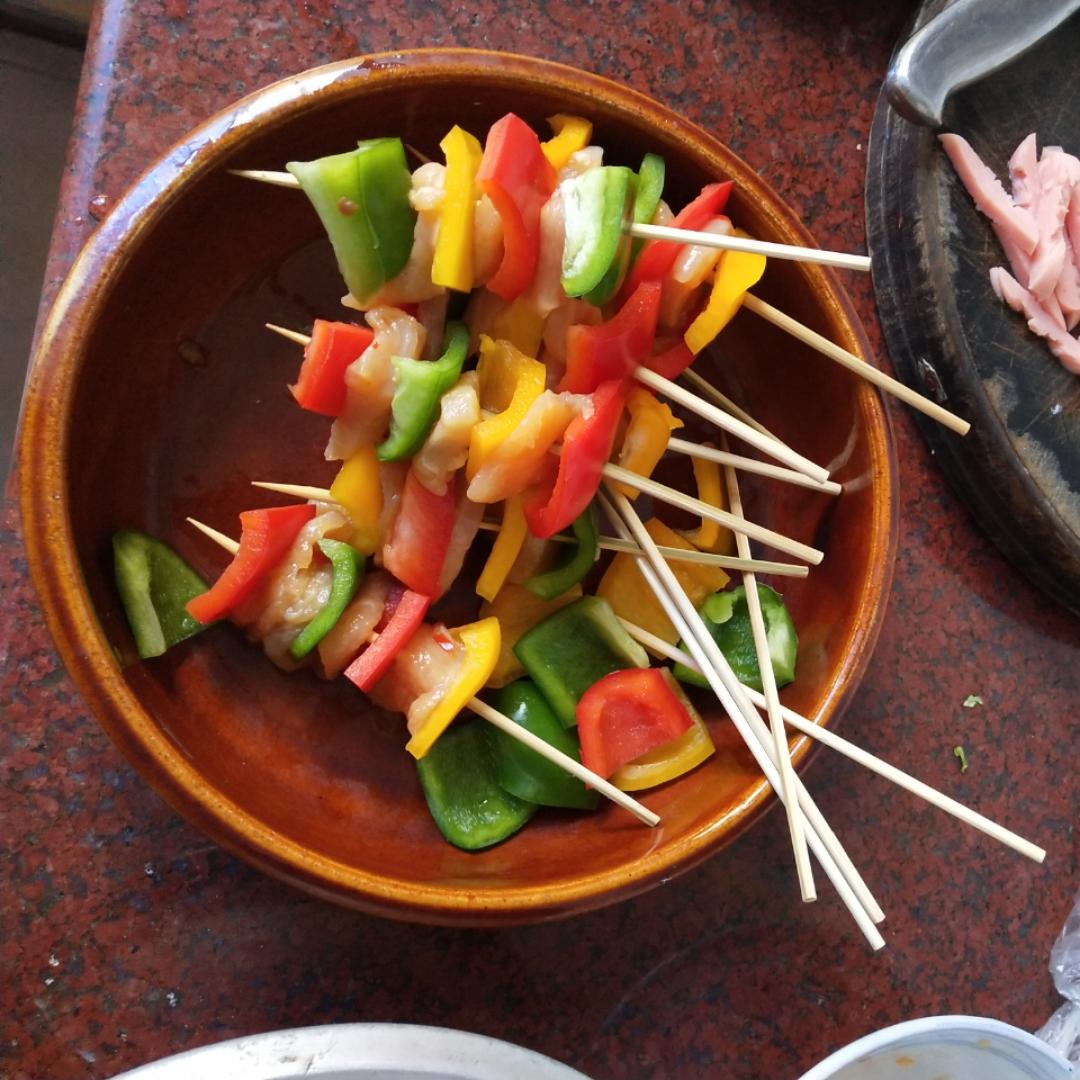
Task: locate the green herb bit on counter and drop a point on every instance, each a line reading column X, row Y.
column 154, row 585
column 961, row 756
column 972, row 700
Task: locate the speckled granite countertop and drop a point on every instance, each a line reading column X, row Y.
column 125, row 935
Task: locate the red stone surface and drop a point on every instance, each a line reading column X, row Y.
column 125, row 935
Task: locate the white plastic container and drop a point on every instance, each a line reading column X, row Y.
column 945, row 1048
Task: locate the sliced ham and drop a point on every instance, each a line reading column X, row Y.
column 1062, row 344
column 1024, row 174
column 1055, row 186
column 990, row 197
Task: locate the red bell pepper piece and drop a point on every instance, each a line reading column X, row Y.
column 266, row 535
column 420, row 536
column 371, row 665
column 658, row 256
column 518, row 179
column 596, row 354
column 568, row 489
column 671, row 362
column 320, row 386
column 625, row 715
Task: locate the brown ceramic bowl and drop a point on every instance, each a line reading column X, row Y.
column 155, row 393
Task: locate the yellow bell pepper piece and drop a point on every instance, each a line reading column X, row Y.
column 672, row 759
column 520, row 324
column 736, row 272
column 481, row 641
column 452, row 266
column 505, row 550
column 710, row 536
column 625, row 589
column 646, row 438
column 356, row 489
column 510, row 382
column 572, row 133
column 518, row 610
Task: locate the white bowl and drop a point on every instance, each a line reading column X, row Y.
column 945, row 1048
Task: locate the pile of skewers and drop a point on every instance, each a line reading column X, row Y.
column 699, row 651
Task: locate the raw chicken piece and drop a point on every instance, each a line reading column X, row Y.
column 1062, row 344
column 447, row 447
column 353, row 630
column 545, row 293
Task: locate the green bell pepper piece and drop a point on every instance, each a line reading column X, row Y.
column 418, row 387
column 572, row 649
column 595, row 206
column 647, row 194
column 458, row 777
column 347, row 571
column 570, row 570
column 362, row 199
column 523, row 772
column 727, row 618
column 645, row 191
column 154, row 585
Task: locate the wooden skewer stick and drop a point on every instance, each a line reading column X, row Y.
column 725, row 402
column 651, row 232
column 772, row 699
column 756, row 247
column 853, row 363
column 924, row 791
column 828, row 850
column 752, row 465
column 767, row 444
column 722, row 517
column 504, row 723
column 606, row 543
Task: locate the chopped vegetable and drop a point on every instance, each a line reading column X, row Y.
column 522, row 771
column 481, row 642
column 418, row 388
column 264, row 538
column 647, row 194
column 565, row 493
column 573, row 649
column 504, row 551
column 362, row 199
column 625, row 715
column 419, row 539
column 358, row 491
column 320, row 386
column 736, row 272
column 709, row 535
column 569, row 571
column 348, row 571
column 646, row 438
column 516, row 176
column 972, row 700
column 154, row 585
column 370, row 666
column 961, row 756
column 518, row 611
column 458, row 778
column 572, row 133
column 727, row 618
column 595, row 206
column 611, row 351
column 672, row 759
column 452, row 265
column 626, row 590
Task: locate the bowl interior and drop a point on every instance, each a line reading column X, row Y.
column 174, row 398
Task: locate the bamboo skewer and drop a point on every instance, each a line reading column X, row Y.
column 725, row 403
column 505, row 724
column 605, row 543
column 838, row 867
column 767, row 444
column 722, row 517
column 772, row 701
column 752, row 465
column 756, row 247
column 924, row 791
column 853, row 363
column 653, row 232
